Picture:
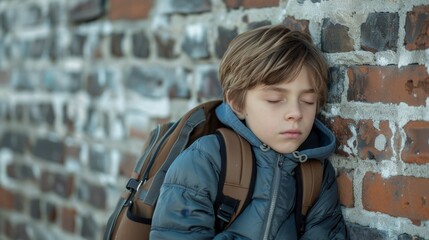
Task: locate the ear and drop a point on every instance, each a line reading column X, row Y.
column 240, row 114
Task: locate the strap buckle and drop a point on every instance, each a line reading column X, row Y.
column 225, row 212
column 227, row 208
column 132, row 186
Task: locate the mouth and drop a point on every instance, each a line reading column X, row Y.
column 292, row 133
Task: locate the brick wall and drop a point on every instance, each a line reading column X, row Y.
column 83, row 82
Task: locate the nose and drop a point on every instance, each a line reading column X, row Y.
column 293, row 111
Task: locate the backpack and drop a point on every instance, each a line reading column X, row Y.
column 132, row 216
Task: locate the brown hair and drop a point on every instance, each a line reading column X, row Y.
column 269, row 55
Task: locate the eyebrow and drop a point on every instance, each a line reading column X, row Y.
column 284, row 90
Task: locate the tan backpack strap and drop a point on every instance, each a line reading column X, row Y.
column 239, row 169
column 312, row 177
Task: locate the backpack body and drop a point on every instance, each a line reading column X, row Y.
column 132, row 216
column 131, row 219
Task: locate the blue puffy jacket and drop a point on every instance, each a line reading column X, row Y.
column 185, row 205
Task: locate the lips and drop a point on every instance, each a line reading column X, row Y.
column 294, row 133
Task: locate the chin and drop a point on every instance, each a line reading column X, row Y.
column 286, row 150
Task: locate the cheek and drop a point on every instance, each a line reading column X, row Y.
column 311, row 111
column 309, row 119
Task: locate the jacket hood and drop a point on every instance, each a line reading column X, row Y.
column 320, row 143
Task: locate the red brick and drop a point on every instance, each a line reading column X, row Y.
column 335, row 37
column 86, row 10
column 51, row 212
column 98, row 196
column 19, row 202
column 341, row 129
column 398, row 196
column 416, row 149
column 417, row 28
column 374, row 143
column 129, row 9
column 68, row 219
column 294, row 24
column 11, row 170
column 116, row 50
column 6, row 199
column 371, row 142
column 389, row 84
column 345, row 187
column 251, row 3
column 59, row 183
column 52, row 150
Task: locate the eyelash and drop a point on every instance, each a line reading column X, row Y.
column 308, row 102
column 277, row 101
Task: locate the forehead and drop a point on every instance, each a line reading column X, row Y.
column 303, row 82
column 304, row 74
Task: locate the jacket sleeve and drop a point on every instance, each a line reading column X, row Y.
column 185, row 205
column 325, row 219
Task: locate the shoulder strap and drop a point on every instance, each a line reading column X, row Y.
column 195, row 123
column 236, row 179
column 165, row 143
column 309, row 177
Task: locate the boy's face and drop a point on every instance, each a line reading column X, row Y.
column 283, row 114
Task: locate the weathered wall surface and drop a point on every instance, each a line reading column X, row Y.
column 83, row 82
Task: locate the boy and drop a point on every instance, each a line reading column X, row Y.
column 274, row 82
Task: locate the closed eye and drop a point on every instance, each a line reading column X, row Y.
column 308, row 99
column 308, row 102
column 273, row 101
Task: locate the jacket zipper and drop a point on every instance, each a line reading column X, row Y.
column 276, row 184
